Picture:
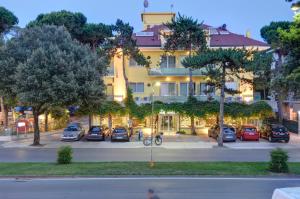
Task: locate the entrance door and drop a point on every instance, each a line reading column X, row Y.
column 167, row 123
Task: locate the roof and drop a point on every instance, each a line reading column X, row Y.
column 219, row 37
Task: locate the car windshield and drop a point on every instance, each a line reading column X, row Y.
column 71, row 128
column 279, row 129
column 228, row 129
column 95, row 129
column 120, row 131
column 249, row 129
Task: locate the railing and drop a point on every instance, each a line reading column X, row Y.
column 174, row 72
column 170, row 99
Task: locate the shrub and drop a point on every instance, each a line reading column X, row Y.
column 278, row 163
column 64, row 155
column 181, row 132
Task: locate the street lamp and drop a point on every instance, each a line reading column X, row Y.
column 152, row 120
column 296, row 8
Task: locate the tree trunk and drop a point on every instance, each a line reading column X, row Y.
column 90, row 121
column 6, row 123
column 46, row 121
column 124, row 73
column 4, row 111
column 36, row 138
column 279, row 106
column 109, row 122
column 221, row 116
column 193, row 131
column 279, row 94
column 191, row 93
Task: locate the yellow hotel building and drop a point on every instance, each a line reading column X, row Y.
column 173, row 78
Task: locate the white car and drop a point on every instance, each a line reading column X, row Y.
column 73, row 132
column 287, row 193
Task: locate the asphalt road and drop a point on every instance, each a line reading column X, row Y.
column 142, row 154
column 131, row 188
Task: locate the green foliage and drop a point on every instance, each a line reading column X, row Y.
column 196, row 108
column 278, row 163
column 270, row 32
column 181, row 132
column 64, row 155
column 111, row 107
column 7, row 20
column 234, row 62
column 95, row 34
column 291, row 43
column 74, row 22
column 53, row 69
column 123, row 39
column 186, row 33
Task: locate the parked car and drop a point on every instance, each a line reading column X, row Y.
column 96, row 133
column 229, row 133
column 73, row 132
column 120, row 133
column 248, row 132
column 275, row 132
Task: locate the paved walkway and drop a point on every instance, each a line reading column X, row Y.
column 52, row 140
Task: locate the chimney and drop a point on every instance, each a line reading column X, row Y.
column 248, row 34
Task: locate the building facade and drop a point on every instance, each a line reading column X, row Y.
column 166, row 78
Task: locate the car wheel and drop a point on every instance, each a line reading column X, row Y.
column 286, row 141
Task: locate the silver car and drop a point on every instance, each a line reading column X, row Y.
column 229, row 133
column 73, row 132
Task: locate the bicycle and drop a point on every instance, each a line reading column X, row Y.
column 157, row 140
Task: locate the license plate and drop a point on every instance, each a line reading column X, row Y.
column 281, row 134
column 119, row 137
column 94, row 134
column 251, row 133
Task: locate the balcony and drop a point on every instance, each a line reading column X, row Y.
column 174, row 72
column 170, row 99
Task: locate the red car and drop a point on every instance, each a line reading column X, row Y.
column 248, row 132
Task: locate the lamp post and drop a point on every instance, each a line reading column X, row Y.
column 152, row 121
column 296, row 8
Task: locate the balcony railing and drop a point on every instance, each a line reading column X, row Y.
column 170, row 99
column 174, row 72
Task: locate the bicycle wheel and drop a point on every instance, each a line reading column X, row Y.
column 147, row 141
column 158, row 141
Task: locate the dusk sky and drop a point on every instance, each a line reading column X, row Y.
column 239, row 15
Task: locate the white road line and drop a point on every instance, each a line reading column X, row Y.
column 150, row 178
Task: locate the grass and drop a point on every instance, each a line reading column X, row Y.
column 141, row 168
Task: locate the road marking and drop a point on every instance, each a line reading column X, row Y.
column 150, row 178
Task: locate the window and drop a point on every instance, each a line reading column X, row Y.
column 133, row 63
column 168, row 89
column 168, row 62
column 206, row 89
column 137, row 87
column 184, row 89
column 231, row 85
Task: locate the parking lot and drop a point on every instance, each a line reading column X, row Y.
column 52, row 140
